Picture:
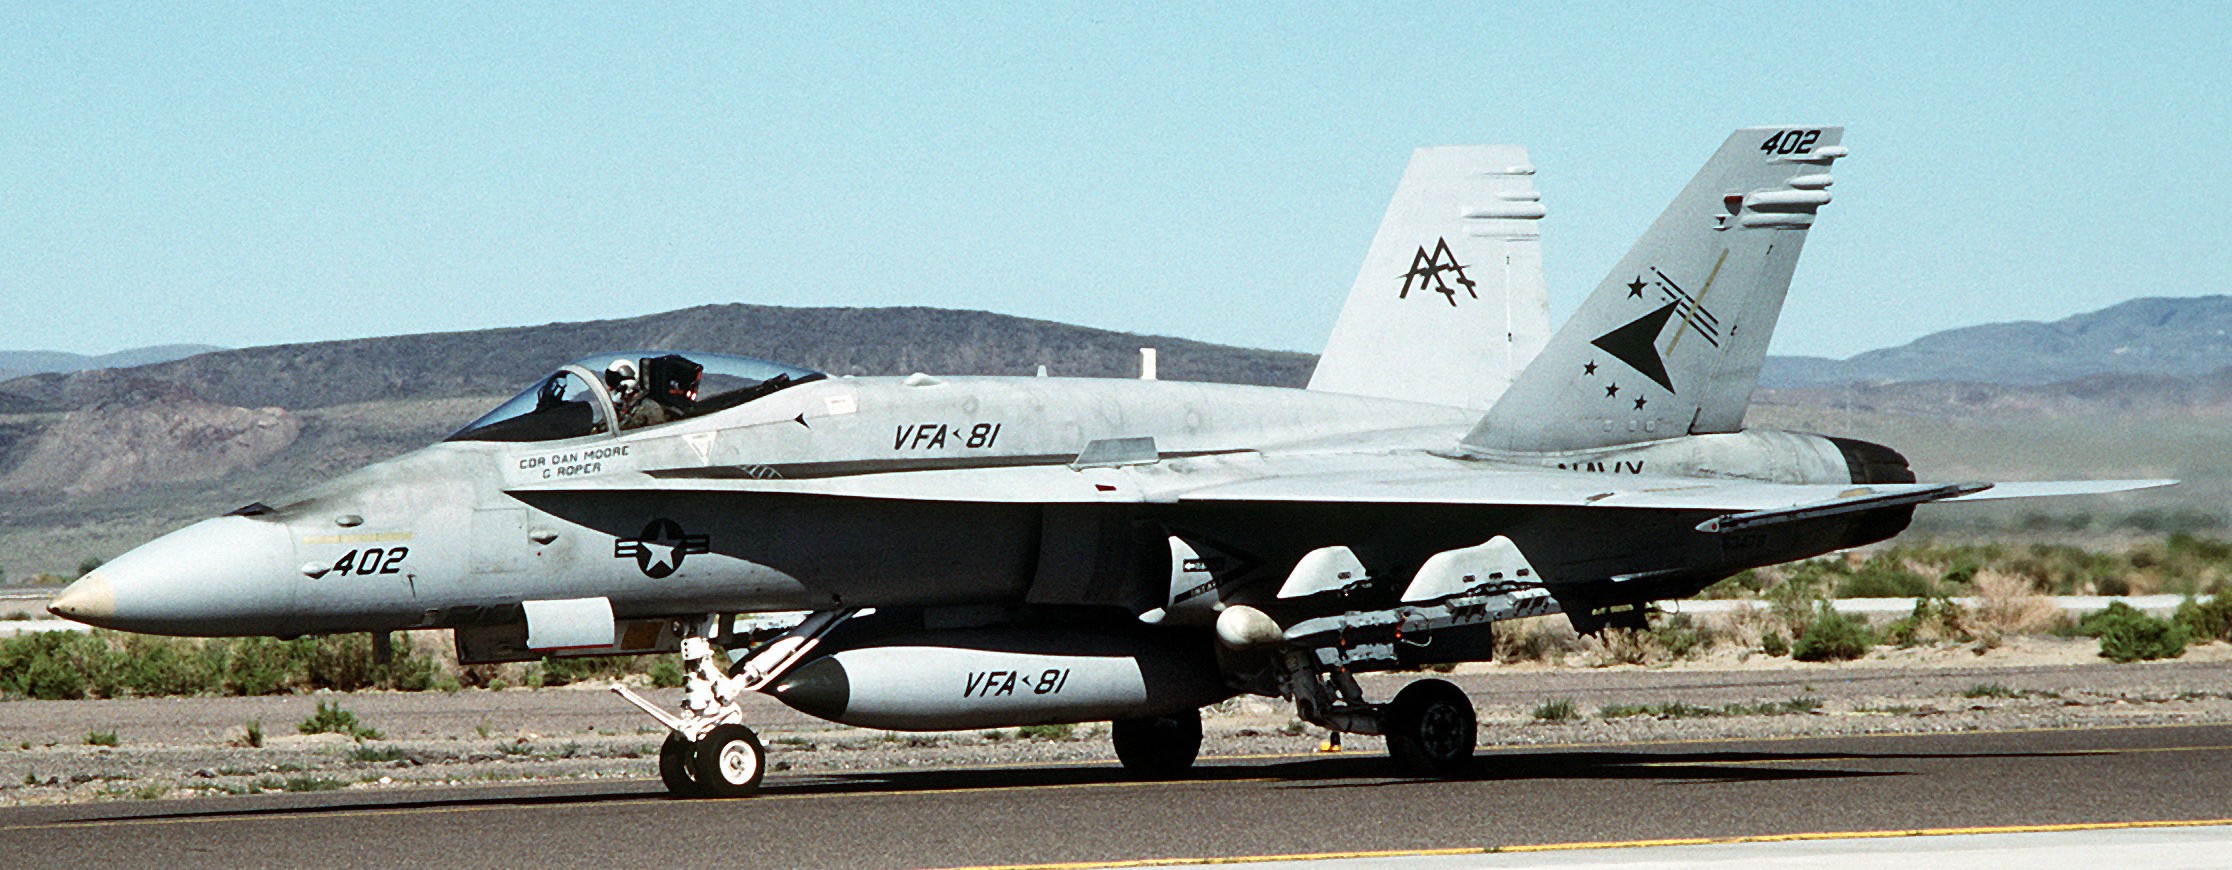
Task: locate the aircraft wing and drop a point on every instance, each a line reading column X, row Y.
column 1398, row 478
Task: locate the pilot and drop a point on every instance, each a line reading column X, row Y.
column 665, row 392
column 622, row 380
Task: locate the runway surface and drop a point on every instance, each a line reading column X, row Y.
column 1324, row 806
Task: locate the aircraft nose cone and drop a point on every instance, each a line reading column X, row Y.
column 88, row 600
column 223, row 576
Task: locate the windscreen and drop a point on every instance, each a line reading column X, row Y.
column 561, row 406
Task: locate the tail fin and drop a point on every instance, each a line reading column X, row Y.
column 1450, row 302
column 1671, row 342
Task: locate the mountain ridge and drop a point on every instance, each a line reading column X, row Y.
column 842, row 341
column 2188, row 336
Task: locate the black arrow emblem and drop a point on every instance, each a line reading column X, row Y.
column 1637, row 344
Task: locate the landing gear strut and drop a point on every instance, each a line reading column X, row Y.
column 1430, row 725
column 708, row 751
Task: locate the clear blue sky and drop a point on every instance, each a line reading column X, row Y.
column 270, row 173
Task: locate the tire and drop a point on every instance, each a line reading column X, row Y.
column 674, row 767
column 728, row 762
column 1157, row 745
column 1431, row 729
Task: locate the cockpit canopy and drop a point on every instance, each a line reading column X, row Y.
column 638, row 388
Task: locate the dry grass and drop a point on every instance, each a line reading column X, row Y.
column 2009, row 604
column 1539, row 639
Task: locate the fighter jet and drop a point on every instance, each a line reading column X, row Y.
column 976, row 552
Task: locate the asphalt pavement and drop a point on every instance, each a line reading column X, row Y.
column 1315, row 805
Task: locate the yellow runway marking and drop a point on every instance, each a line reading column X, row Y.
column 1808, row 836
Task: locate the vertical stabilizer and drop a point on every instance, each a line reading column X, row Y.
column 1450, row 304
column 1671, row 343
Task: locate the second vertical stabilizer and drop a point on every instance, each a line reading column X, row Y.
column 1450, row 303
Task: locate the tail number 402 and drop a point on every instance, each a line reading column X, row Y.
column 1791, row 142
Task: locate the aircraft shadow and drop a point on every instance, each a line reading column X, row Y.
column 1342, row 771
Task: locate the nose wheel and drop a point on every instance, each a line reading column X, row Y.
column 708, row 752
column 675, row 767
column 728, row 762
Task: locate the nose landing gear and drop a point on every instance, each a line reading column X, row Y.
column 708, row 751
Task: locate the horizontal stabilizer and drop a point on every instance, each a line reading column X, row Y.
column 2049, row 488
column 1862, row 499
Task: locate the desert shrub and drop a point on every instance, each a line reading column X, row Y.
column 2210, row 620
column 1935, row 618
column 331, row 718
column 2096, row 623
column 1679, row 635
column 1534, row 639
column 1831, row 636
column 377, row 754
column 1059, row 731
column 575, row 669
column 1557, row 710
column 667, row 674
column 1772, row 643
column 1682, row 710
column 2127, row 635
column 2170, row 520
column 102, row 738
column 1744, row 584
column 2008, row 603
column 1884, row 576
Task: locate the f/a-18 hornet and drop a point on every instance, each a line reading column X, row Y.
column 978, row 552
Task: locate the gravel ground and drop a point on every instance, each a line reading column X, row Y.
column 180, row 747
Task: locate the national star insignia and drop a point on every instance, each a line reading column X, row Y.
column 1589, row 368
column 1611, row 391
column 1635, row 288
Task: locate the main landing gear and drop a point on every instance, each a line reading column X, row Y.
column 1430, row 729
column 1430, row 725
column 708, row 750
column 1157, row 746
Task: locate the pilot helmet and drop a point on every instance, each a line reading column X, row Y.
column 620, row 376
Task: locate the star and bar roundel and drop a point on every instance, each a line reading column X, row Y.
column 1635, row 343
column 661, row 547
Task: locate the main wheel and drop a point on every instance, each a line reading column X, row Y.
column 1431, row 729
column 674, row 767
column 1157, row 745
column 728, row 762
